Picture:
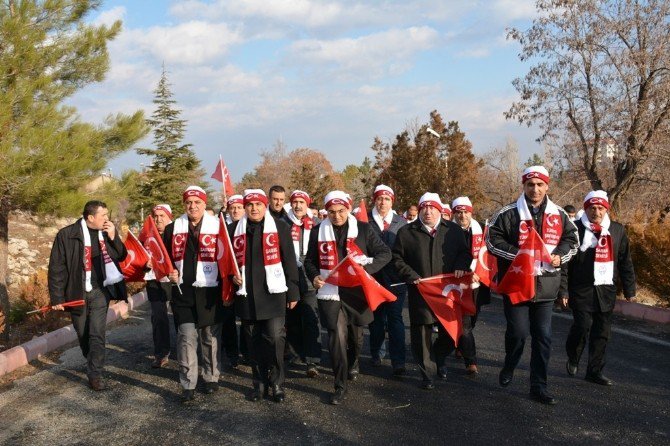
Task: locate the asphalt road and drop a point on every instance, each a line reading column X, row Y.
column 141, row 406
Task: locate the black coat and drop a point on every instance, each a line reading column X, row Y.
column 585, row 296
column 388, row 275
column 202, row 306
column 259, row 303
column 66, row 265
column 352, row 300
column 417, row 255
column 502, row 241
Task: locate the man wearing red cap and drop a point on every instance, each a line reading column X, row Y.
column 386, row 224
column 234, row 208
column 508, row 230
column 267, row 286
column 303, row 334
column 592, row 292
column 196, row 294
column 344, row 311
column 158, row 294
column 427, row 247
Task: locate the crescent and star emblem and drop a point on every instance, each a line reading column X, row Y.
column 523, row 227
column 483, row 251
column 270, row 240
column 451, row 287
column 158, row 249
column 131, row 254
column 207, row 239
column 237, row 244
column 324, row 248
column 602, row 242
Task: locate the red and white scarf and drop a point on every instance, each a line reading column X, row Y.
column 603, row 266
column 328, row 257
column 376, row 216
column 206, row 269
column 306, row 222
column 475, row 245
column 552, row 229
column 274, row 272
column 112, row 273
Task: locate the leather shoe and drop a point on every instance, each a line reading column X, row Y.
column 598, row 378
column 471, row 370
column 159, row 363
column 505, row 377
column 427, row 384
column 541, row 396
column 312, row 371
column 187, row 396
column 571, row 368
column 211, row 387
column 96, row 383
column 258, row 393
column 442, row 373
column 337, row 397
column 278, row 394
column 353, row 375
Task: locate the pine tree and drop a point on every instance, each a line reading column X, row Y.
column 47, row 154
column 174, row 165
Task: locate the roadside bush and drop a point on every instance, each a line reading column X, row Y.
column 650, row 249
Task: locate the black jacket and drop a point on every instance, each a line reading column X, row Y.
column 502, row 240
column 66, row 265
column 388, row 275
column 417, row 255
column 585, row 296
column 259, row 303
column 353, row 298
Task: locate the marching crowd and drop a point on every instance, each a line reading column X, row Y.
column 286, row 252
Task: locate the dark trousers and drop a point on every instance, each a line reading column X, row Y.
column 597, row 327
column 90, row 324
column 229, row 339
column 421, row 339
column 532, row 318
column 160, row 327
column 265, row 345
column 466, row 342
column 344, row 344
column 388, row 316
column 303, row 334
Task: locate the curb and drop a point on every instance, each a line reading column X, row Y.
column 644, row 312
column 21, row 355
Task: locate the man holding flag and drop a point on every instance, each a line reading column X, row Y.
column 192, row 241
column 532, row 239
column 343, row 306
column 428, row 247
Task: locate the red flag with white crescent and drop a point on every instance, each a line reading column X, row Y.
column 351, row 274
column 222, row 175
column 487, row 266
column 133, row 266
column 153, row 243
column 449, row 298
column 225, row 258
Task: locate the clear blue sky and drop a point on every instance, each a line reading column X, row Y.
column 325, row 75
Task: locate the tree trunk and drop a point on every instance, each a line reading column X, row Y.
column 4, row 255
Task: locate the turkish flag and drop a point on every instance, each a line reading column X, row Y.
column 519, row 280
column 225, row 259
column 153, row 242
column 449, row 298
column 487, row 266
column 362, row 212
column 133, row 266
column 222, row 175
column 350, row 274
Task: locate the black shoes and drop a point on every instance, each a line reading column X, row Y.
column 442, row 373
column 337, row 397
column 598, row 378
column 541, row 396
column 427, row 384
column 571, row 368
column 312, row 371
column 259, row 392
column 187, row 396
column 211, row 387
column 278, row 394
column 505, row 377
column 353, row 375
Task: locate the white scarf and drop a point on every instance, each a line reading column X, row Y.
column 307, row 230
column 274, row 272
column 206, row 270
column 552, row 229
column 475, row 245
column 112, row 273
column 603, row 265
column 376, row 216
column 328, row 257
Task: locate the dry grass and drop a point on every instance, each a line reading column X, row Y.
column 650, row 249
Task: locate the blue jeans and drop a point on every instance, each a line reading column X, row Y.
column 532, row 318
column 389, row 315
